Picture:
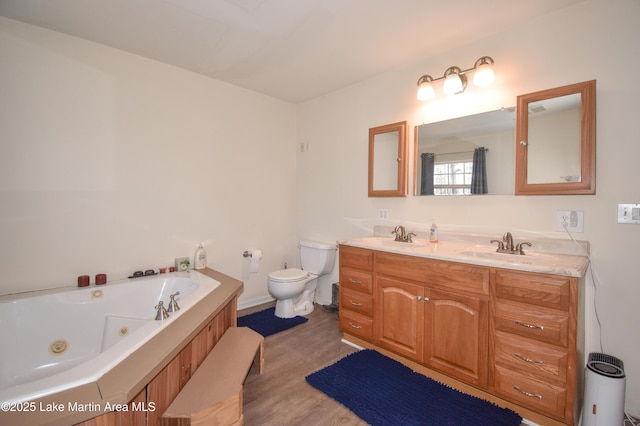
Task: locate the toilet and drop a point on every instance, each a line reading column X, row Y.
column 295, row 289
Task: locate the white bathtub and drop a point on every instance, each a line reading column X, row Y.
column 50, row 342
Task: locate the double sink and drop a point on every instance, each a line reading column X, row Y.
column 567, row 260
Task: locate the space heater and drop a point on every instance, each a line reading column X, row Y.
column 604, row 388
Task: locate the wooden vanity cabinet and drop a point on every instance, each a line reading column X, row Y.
column 434, row 313
column 356, row 292
column 535, row 350
column 510, row 334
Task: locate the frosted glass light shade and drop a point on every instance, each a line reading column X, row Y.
column 483, row 75
column 452, row 84
column 425, row 91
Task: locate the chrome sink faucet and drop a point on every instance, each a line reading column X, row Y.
column 507, row 239
column 506, row 245
column 401, row 234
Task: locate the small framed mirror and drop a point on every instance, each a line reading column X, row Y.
column 556, row 141
column 388, row 160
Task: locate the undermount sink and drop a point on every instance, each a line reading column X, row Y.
column 525, row 259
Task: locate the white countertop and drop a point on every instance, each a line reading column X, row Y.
column 552, row 257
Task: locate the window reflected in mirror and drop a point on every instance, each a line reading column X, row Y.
column 466, row 155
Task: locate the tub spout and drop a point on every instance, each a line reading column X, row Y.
column 162, row 312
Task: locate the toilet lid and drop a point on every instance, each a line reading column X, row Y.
column 291, row 274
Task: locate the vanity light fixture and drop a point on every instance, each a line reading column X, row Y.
column 455, row 80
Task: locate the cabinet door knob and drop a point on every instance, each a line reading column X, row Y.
column 419, row 298
column 426, row 299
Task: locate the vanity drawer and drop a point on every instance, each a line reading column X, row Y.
column 355, row 279
column 539, row 396
column 356, row 301
column 532, row 322
column 551, row 291
column 533, row 358
column 434, row 273
column 356, row 257
column 356, row 324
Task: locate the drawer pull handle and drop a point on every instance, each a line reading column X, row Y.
column 524, row 324
column 355, row 326
column 532, row 395
column 525, row 359
column 351, row 280
column 355, row 304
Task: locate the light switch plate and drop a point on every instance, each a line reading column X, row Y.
column 629, row 213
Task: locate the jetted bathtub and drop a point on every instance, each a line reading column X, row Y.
column 53, row 341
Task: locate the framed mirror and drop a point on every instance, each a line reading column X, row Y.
column 388, row 160
column 556, row 141
column 447, row 155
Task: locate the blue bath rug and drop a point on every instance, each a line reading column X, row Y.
column 267, row 323
column 382, row 392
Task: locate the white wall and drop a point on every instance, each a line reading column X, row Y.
column 113, row 163
column 592, row 40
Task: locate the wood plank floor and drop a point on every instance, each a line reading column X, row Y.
column 281, row 396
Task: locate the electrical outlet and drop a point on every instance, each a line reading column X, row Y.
column 304, row 146
column 570, row 220
column 383, row 214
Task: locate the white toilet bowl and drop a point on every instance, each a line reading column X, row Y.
column 294, row 290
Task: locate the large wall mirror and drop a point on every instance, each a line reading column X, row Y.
column 388, row 160
column 556, row 141
column 474, row 154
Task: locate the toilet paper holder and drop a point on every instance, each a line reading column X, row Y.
column 246, row 254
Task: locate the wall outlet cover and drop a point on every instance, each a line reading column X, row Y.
column 570, row 220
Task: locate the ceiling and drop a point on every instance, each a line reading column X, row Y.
column 294, row 50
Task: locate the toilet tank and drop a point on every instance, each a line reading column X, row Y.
column 317, row 258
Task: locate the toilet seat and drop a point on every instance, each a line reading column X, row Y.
column 288, row 275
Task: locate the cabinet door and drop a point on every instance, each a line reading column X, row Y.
column 399, row 317
column 456, row 335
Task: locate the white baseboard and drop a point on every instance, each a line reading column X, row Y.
column 353, row 345
column 244, row 304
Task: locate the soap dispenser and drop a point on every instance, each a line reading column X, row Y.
column 200, row 258
column 433, row 232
